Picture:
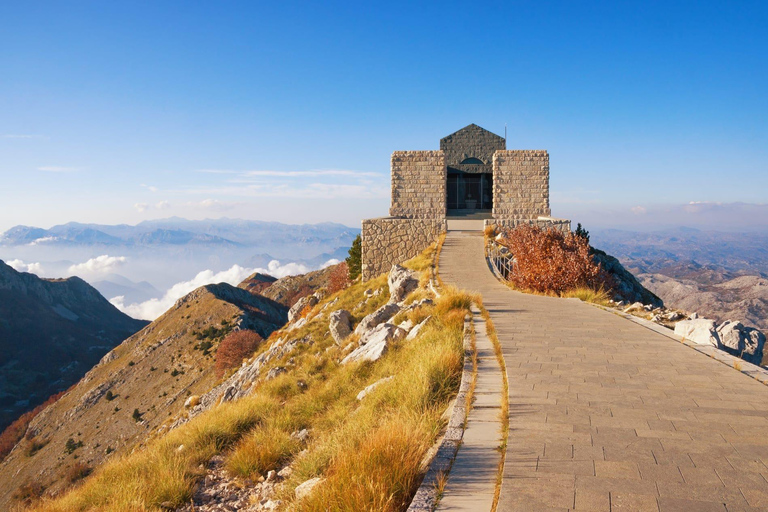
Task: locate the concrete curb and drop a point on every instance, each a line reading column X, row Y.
column 758, row 373
column 445, row 449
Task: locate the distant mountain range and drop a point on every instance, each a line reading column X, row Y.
column 719, row 275
column 51, row 333
column 177, row 231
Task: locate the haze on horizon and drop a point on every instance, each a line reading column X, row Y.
column 654, row 114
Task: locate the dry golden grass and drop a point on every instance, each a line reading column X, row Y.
column 600, row 296
column 368, row 452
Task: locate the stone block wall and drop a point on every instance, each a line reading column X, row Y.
column 387, row 241
column 520, row 184
column 562, row 225
column 418, row 184
column 471, row 141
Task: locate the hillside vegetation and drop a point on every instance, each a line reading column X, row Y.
column 136, row 388
column 299, row 436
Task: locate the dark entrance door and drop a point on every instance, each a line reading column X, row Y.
column 469, row 191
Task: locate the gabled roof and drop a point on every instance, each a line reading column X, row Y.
column 473, row 129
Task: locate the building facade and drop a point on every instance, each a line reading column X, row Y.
column 473, row 176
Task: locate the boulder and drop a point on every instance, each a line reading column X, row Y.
column 700, row 331
column 373, row 386
column 309, row 300
column 379, row 316
column 375, row 343
column 416, row 330
column 340, row 325
column 744, row 342
column 401, row 282
column 305, row 489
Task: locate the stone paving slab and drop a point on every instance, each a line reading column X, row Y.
column 472, row 481
column 606, row 414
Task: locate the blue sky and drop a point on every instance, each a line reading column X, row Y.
column 125, row 111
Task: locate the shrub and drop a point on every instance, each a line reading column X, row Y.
column 28, row 492
column 77, row 471
column 339, row 278
column 136, row 415
column 355, row 259
column 71, row 445
column 550, row 262
column 235, row 347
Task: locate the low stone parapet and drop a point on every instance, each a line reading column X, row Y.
column 388, row 241
column 563, row 225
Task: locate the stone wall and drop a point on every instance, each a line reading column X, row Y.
column 563, row 225
column 418, row 184
column 387, row 241
column 520, row 184
column 471, row 142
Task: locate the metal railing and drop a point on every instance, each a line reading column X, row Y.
column 501, row 261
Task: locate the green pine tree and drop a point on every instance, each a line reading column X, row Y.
column 355, row 259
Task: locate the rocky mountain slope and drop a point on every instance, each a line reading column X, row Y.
column 142, row 383
column 51, row 332
column 743, row 298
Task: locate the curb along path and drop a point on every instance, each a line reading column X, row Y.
column 607, row 415
column 472, row 481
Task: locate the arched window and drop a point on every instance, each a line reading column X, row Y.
column 472, row 160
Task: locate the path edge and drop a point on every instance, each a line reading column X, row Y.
column 758, row 373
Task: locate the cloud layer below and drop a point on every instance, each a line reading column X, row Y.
column 153, row 308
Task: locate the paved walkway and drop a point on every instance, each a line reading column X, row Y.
column 606, row 415
column 472, row 481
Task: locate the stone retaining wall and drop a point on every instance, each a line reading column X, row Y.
column 387, row 241
column 520, row 184
column 418, row 184
column 542, row 222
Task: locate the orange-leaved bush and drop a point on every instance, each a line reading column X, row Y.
column 339, row 278
column 549, row 261
column 235, row 347
column 16, row 430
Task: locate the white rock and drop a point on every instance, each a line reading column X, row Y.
column 416, row 330
column 375, row 343
column 373, row 386
column 340, row 325
column 406, row 325
column 700, row 331
column 401, row 282
column 379, row 316
column 744, row 342
column 305, row 489
column 309, row 300
column 637, row 306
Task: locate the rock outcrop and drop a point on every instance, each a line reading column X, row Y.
column 401, row 281
column 744, row 342
column 375, row 343
column 700, row 331
column 340, row 325
column 379, row 316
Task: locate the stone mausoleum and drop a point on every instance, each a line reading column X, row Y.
column 472, row 177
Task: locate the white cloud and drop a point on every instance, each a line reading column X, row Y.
column 141, row 207
column 293, row 174
column 163, row 205
column 153, row 308
column 20, row 266
column 56, row 168
column 149, row 187
column 21, row 136
column 43, row 240
column 639, row 210
column 99, row 265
